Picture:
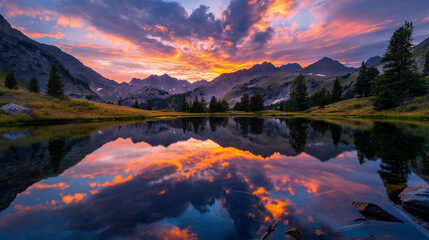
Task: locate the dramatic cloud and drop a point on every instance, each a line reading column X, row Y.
column 191, row 40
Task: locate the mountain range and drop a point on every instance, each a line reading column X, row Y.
column 27, row 58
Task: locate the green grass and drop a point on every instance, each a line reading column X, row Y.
column 52, row 110
column 417, row 109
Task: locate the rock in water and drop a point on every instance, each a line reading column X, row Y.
column 14, row 109
column 415, row 200
column 372, row 211
column 294, row 233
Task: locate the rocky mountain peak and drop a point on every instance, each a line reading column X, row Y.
column 373, row 61
column 328, row 66
column 291, row 67
column 4, row 24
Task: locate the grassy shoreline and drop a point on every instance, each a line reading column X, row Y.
column 20, row 119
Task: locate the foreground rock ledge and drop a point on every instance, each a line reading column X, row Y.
column 415, row 200
column 374, row 212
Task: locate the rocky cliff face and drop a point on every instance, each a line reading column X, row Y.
column 420, row 51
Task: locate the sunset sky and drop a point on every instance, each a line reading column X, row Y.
column 195, row 40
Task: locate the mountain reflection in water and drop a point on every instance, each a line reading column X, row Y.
column 208, row 178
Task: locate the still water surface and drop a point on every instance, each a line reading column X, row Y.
column 209, row 178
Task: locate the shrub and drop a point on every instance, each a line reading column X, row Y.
column 81, row 106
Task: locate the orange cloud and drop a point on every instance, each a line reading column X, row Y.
column 69, row 21
column 14, row 10
column 277, row 209
column 280, row 8
column 31, row 34
column 68, row 199
column 335, row 30
column 261, row 192
column 176, row 233
column 117, row 180
column 161, row 28
column 60, row 185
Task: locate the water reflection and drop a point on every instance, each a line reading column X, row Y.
column 215, row 178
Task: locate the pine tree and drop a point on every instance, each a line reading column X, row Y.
column 148, row 104
column 136, row 104
column 320, row 98
column 185, row 105
column 399, row 80
column 34, row 85
column 361, row 85
column 385, row 99
column 224, row 106
column 11, row 82
column 236, row 106
column 213, row 105
column 372, row 74
column 336, row 91
column 426, row 66
column 365, row 82
column 398, row 57
column 55, row 84
column 203, row 106
column 244, row 103
column 256, row 103
column 298, row 94
column 196, row 106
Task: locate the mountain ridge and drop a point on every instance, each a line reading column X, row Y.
column 27, row 58
column 328, row 67
column 167, row 83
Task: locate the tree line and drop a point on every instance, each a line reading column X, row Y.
column 248, row 103
column 299, row 99
column 55, row 85
column 200, row 105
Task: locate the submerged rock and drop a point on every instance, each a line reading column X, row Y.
column 14, row 109
column 372, row 211
column 415, row 200
column 294, row 233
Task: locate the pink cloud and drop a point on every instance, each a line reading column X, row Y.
column 68, row 21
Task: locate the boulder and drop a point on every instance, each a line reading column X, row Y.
column 14, row 109
column 374, row 212
column 415, row 200
column 294, row 233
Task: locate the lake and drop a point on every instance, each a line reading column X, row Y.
column 209, row 178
